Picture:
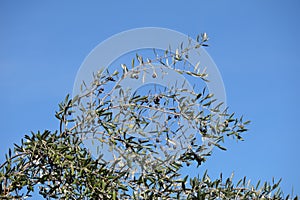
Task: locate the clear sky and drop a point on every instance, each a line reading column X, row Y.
column 255, row 45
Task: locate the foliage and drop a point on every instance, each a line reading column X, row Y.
column 152, row 137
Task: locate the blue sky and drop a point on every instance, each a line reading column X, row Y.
column 255, row 45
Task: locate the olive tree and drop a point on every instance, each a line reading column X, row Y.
column 151, row 137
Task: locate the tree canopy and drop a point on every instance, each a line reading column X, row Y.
column 151, row 136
